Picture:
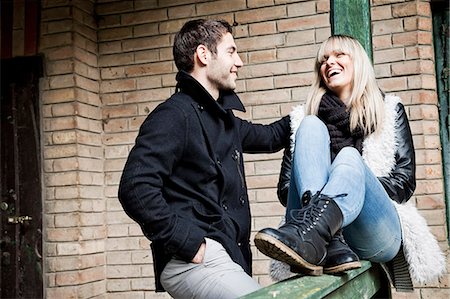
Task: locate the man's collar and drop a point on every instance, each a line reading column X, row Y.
column 227, row 100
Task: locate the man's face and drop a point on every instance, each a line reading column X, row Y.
column 222, row 71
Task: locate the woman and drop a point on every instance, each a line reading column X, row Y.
column 352, row 162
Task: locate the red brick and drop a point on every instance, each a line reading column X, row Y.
column 260, row 84
column 323, row 6
column 155, row 68
column 118, row 59
column 263, row 28
column 252, row 43
column 422, row 82
column 293, row 80
column 389, row 55
column 382, row 42
column 301, row 9
column 393, row 84
column 267, row 209
column 381, row 13
column 146, row 43
column 423, row 9
column 118, row 85
column 60, row 67
column 404, row 9
column 300, row 37
column 262, row 56
column 425, row 38
column 410, row 23
column 138, row 17
column 405, row 39
column 303, row 23
column 110, row 47
column 62, row 292
column 266, row 97
column 387, row 26
column 55, row 13
column 181, row 11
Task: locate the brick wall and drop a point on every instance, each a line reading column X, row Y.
column 108, row 64
column 74, row 202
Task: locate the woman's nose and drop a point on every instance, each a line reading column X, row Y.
column 331, row 60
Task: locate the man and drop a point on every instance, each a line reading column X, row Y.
column 184, row 178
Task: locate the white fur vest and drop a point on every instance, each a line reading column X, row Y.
column 424, row 257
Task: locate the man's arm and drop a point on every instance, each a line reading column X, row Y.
column 258, row 138
column 158, row 147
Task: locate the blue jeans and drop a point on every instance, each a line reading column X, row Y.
column 370, row 221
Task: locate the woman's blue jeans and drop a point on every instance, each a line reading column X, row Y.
column 370, row 221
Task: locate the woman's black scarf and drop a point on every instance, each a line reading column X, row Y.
column 333, row 112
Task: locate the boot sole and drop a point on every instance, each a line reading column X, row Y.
column 342, row 268
column 275, row 249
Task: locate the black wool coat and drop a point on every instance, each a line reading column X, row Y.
column 184, row 178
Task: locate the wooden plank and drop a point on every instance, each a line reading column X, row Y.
column 366, row 278
column 352, row 17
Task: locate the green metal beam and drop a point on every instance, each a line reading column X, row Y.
column 352, row 17
column 441, row 38
column 365, row 282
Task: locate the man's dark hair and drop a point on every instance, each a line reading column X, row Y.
column 194, row 33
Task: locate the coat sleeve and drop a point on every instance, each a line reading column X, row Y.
column 258, row 138
column 401, row 182
column 285, row 177
column 160, row 142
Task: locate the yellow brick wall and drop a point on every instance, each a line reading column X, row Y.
column 109, row 63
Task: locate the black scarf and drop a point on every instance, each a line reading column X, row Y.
column 333, row 112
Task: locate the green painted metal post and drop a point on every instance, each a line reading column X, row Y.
column 441, row 38
column 352, row 17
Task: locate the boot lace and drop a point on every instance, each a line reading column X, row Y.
column 308, row 217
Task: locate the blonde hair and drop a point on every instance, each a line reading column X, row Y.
column 366, row 99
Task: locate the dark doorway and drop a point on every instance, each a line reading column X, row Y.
column 20, row 179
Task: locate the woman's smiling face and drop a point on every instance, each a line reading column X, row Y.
column 336, row 70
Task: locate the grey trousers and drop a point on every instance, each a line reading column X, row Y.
column 218, row 277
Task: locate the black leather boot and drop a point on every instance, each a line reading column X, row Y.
column 340, row 257
column 302, row 242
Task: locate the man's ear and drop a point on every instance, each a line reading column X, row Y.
column 202, row 54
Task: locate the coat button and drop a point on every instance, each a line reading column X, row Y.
column 219, row 163
column 225, row 207
column 242, row 200
column 200, row 107
column 239, row 244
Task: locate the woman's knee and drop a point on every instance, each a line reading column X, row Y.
column 349, row 159
column 383, row 255
column 376, row 236
column 311, row 127
column 312, row 121
column 350, row 152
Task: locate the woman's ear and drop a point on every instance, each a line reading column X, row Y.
column 202, row 54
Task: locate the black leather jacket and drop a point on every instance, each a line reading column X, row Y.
column 401, row 182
